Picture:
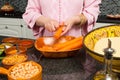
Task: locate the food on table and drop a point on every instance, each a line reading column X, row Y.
column 117, row 32
column 61, row 49
column 101, row 33
column 106, row 31
column 12, row 52
column 24, row 71
column 98, row 54
column 15, row 50
column 14, row 59
column 64, row 39
column 57, row 34
column 103, row 43
column 29, row 70
column 12, row 40
column 7, row 45
column 70, row 43
column 27, row 43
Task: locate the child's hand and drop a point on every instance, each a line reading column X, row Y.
column 75, row 20
column 50, row 24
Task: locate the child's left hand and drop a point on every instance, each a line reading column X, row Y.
column 75, row 20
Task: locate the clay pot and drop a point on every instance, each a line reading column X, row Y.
column 24, row 71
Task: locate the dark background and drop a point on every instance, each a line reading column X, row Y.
column 107, row 6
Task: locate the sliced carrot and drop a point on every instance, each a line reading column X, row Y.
column 76, row 45
column 47, row 48
column 68, row 43
column 59, row 31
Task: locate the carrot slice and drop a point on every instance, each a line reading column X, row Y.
column 47, row 48
column 59, row 31
column 69, row 43
column 76, row 45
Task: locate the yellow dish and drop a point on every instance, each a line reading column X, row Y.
column 92, row 37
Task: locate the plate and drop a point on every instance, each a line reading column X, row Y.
column 111, row 16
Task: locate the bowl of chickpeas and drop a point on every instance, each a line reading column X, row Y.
column 29, row 70
column 11, row 60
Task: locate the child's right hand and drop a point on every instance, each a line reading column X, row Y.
column 50, row 24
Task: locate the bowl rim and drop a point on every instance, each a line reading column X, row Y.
column 25, row 40
column 59, row 51
column 53, row 51
column 22, row 49
column 116, row 58
column 11, row 38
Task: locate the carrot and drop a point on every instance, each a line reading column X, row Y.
column 68, row 43
column 59, row 31
column 47, row 48
column 76, row 45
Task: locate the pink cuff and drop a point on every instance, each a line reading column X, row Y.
column 32, row 22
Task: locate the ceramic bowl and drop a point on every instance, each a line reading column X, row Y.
column 29, row 70
column 11, row 60
column 15, row 50
column 92, row 37
column 50, row 53
column 27, row 43
column 12, row 40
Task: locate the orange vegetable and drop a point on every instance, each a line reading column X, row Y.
column 59, row 31
column 76, row 45
column 47, row 48
column 69, row 43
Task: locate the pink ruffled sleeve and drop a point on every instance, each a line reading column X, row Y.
column 33, row 11
column 91, row 11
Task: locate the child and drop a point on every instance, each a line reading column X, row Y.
column 44, row 16
column 79, row 17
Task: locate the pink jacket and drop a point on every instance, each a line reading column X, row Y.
column 60, row 10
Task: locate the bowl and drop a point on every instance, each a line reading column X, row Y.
column 27, row 43
column 12, row 40
column 3, row 47
column 29, row 70
column 11, row 60
column 7, row 45
column 13, row 50
column 48, row 49
column 90, row 40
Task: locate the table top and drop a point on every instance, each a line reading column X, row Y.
column 60, row 69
